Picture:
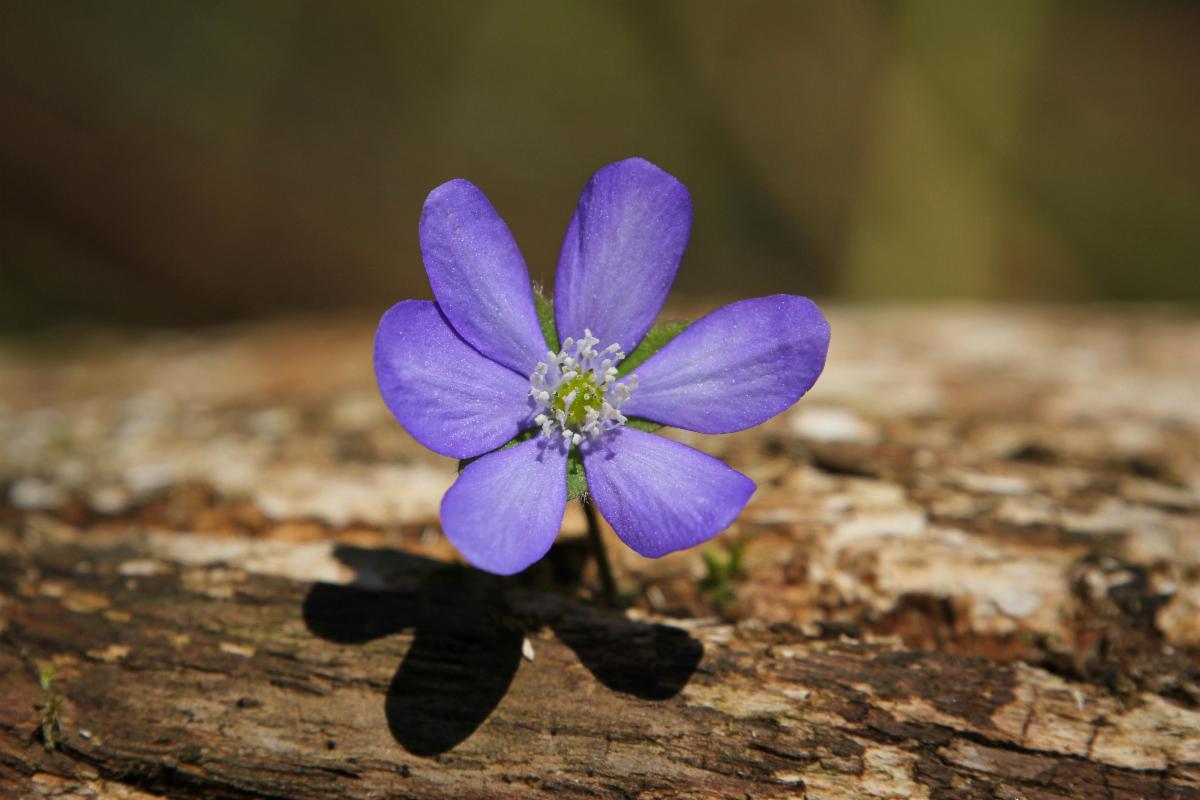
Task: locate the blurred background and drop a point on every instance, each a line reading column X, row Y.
column 188, row 162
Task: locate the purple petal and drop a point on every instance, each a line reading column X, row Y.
column 479, row 277
column 448, row 396
column 735, row 368
column 505, row 509
column 621, row 252
column 659, row 495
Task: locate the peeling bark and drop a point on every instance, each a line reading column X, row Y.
column 971, row 571
column 209, row 681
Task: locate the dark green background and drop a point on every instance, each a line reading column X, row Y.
column 179, row 162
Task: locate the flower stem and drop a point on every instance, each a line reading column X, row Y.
column 593, row 530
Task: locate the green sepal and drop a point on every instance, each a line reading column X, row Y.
column 523, row 436
column 654, row 340
column 545, row 312
column 576, row 478
column 639, row 424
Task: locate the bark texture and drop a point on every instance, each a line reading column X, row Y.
column 972, row 570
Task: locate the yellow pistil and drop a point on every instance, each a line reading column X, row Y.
column 587, row 396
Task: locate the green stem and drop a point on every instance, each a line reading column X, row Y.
column 593, row 530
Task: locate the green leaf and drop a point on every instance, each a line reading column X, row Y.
column 545, row 312
column 637, row 423
column 656, row 339
column 724, row 570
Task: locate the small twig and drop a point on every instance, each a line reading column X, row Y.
column 606, row 577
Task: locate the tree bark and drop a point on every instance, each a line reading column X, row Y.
column 214, row 682
column 972, row 570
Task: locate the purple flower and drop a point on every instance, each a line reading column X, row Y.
column 473, row 371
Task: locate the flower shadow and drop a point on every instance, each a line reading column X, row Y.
column 468, row 634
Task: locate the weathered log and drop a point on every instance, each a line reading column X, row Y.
column 210, row 681
column 972, row 570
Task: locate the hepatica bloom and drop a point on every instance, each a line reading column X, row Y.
column 550, row 403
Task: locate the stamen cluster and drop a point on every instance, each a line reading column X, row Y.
column 577, row 390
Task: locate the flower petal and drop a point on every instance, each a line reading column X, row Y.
column 479, row 277
column 735, row 368
column 448, row 396
column 659, row 495
column 621, row 252
column 505, row 509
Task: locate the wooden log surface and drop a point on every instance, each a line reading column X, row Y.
column 971, row 570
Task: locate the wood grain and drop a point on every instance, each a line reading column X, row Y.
column 971, row 570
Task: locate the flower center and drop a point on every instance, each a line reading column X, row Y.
column 577, row 392
column 585, row 396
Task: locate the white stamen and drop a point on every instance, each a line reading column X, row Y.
column 579, row 359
